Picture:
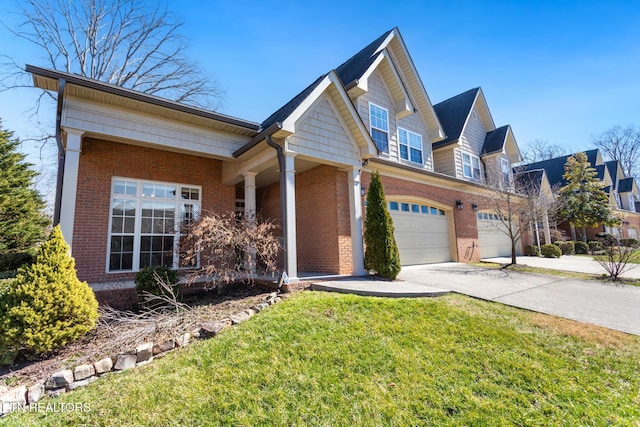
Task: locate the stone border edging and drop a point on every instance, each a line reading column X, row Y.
column 66, row 380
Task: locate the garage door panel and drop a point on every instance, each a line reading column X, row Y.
column 494, row 241
column 421, row 237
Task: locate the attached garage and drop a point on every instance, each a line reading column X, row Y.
column 494, row 242
column 421, row 232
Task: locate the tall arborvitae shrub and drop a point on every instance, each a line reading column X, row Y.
column 46, row 306
column 381, row 254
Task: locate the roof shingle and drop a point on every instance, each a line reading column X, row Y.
column 453, row 113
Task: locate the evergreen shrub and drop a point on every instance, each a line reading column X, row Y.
column 567, row 248
column 551, row 251
column 581, row 248
column 531, row 251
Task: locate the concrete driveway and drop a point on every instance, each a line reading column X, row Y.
column 603, row 304
column 576, row 263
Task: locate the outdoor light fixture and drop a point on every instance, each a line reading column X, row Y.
column 459, row 204
column 363, row 190
column 474, row 206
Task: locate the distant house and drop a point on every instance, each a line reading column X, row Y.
column 624, row 196
column 137, row 166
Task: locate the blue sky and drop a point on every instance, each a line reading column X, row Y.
column 559, row 71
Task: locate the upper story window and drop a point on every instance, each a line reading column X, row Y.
column 379, row 119
column 618, row 201
column 471, row 166
column 632, row 203
column 410, row 145
column 146, row 221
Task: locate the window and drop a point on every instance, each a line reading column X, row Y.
column 146, row 218
column 393, row 206
column 471, row 166
column 379, row 118
column 425, row 209
column 415, row 208
column 632, row 203
column 434, row 211
column 405, row 207
column 410, row 145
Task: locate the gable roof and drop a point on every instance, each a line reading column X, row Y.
column 529, row 179
column 625, row 185
column 288, row 108
column 353, row 68
column 495, row 140
column 453, row 113
column 555, row 167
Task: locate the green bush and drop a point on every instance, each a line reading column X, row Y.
column 630, row 243
column 595, row 245
column 567, row 248
column 11, row 261
column 551, row 251
column 607, row 240
column 581, row 248
column 532, row 251
column 46, row 306
column 147, row 279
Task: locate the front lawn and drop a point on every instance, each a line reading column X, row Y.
column 339, row 360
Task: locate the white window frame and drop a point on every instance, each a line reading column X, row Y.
column 377, row 128
column 180, row 206
column 632, row 202
column 470, row 163
column 409, row 145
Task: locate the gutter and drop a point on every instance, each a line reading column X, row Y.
column 258, row 139
column 61, row 153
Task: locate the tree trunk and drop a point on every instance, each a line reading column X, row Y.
column 584, row 234
column 513, row 253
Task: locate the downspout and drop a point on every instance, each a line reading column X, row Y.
column 283, row 190
column 61, row 153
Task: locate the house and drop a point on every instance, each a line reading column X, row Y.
column 622, row 190
column 134, row 166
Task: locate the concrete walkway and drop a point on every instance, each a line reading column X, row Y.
column 604, row 304
column 575, row 263
column 379, row 288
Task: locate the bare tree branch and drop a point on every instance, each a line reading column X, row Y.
column 538, row 150
column 622, row 144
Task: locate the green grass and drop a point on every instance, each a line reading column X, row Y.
column 322, row 359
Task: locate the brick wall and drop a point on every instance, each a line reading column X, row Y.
column 99, row 162
column 323, row 221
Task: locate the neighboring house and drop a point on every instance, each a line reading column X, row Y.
column 474, row 149
column 623, row 191
column 136, row 166
column 536, row 183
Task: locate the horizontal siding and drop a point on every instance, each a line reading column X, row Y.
column 379, row 95
column 121, row 123
column 473, row 134
column 444, row 162
column 414, row 123
column 321, row 135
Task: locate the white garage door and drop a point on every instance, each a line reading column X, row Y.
column 633, row 233
column 494, row 242
column 421, row 232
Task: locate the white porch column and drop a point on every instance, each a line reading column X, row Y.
column 250, row 195
column 547, row 229
column 290, row 201
column 355, row 209
column 250, row 215
column 70, row 183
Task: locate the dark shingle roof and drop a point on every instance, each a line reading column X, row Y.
column 600, row 170
column 529, row 179
column 290, row 106
column 494, row 141
column 354, row 67
column 612, row 165
column 555, row 167
column 453, row 113
column 625, row 185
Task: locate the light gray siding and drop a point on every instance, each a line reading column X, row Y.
column 473, row 134
column 444, row 161
column 414, row 123
column 321, row 134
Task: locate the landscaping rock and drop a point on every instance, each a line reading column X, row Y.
column 144, row 352
column 238, row 318
column 12, row 398
column 76, row 384
column 164, row 346
column 35, row 392
column 103, row 366
column 56, row 392
column 250, row 312
column 277, row 299
column 125, row 361
column 83, row 371
column 183, row 339
column 211, row 329
column 59, row 379
column 284, row 296
column 144, row 362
